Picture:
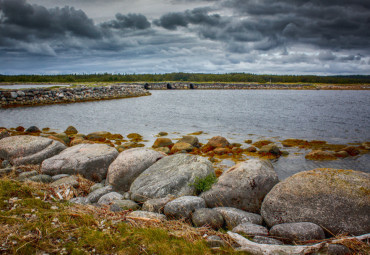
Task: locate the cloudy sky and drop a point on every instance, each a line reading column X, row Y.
column 211, row 36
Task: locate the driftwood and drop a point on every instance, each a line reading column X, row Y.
column 262, row 249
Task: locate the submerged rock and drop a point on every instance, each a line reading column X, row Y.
column 320, row 155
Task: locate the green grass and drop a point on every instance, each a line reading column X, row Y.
column 204, row 184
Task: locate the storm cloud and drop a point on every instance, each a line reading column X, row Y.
column 264, row 36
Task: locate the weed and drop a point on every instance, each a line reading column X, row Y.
column 203, row 184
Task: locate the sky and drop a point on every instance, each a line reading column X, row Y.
column 330, row 37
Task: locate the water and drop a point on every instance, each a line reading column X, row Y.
column 333, row 116
column 31, row 86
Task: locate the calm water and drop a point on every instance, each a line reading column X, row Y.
column 30, row 86
column 333, row 116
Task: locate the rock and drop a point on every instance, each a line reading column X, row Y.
column 104, row 134
column 54, row 138
column 109, row 198
column 261, row 143
column 5, row 164
column 25, row 175
column 251, row 149
column 80, row 140
column 96, row 186
column 215, row 242
column 192, row 140
column 366, row 145
column 44, row 178
column 181, row 147
column 129, row 145
column 250, row 229
column 218, row 142
column 172, row 175
column 270, row 148
column 234, row 217
column 337, row 200
column 221, row 151
column 3, row 133
column 126, row 204
column 59, row 176
column 27, row 149
column 63, row 136
column 89, row 160
column 320, row 155
column 157, row 204
column 162, row 142
column 69, row 181
column 207, row 217
column 130, row 164
column 94, row 196
column 243, row 186
column 19, row 129
column 147, row 215
column 291, row 142
column 135, row 137
column 266, row 240
column 183, row 207
column 165, row 150
column 299, row 231
column 352, row 150
column 249, row 141
column 337, row 249
column 162, row 133
column 78, row 200
column 95, row 137
column 341, row 154
column 33, row 129
column 71, row 130
column 5, row 171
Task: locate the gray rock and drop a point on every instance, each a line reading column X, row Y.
column 215, row 242
column 337, row 249
column 26, row 149
column 183, row 207
column 130, row 164
column 78, row 200
column 299, row 231
column 89, row 160
column 5, row 164
column 266, row 240
column 33, row 129
column 243, row 186
column 96, row 186
column 234, row 217
column 69, row 180
column 94, row 196
column 44, row 178
column 109, row 198
column 250, row 229
column 25, row 175
column 156, row 204
column 59, row 176
column 147, row 215
column 270, row 148
column 207, row 217
column 172, row 175
column 126, row 204
column 326, row 197
column 127, row 196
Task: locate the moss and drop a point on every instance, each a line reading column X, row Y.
column 261, row 143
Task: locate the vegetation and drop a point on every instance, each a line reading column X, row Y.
column 187, row 77
column 204, row 184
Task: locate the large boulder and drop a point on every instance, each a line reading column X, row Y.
column 337, row 200
column 243, row 186
column 172, row 175
column 130, row 164
column 89, row 160
column 29, row 149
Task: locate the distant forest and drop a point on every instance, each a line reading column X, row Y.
column 187, row 77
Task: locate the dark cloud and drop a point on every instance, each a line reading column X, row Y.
column 130, row 21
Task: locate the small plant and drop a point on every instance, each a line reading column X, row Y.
column 204, row 184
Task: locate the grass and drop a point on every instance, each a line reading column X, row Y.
column 31, row 222
column 204, row 184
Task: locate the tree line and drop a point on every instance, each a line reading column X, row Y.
column 187, row 77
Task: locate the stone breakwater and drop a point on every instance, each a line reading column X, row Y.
column 41, row 96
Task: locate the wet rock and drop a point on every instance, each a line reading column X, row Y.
column 126, row 204
column 215, row 242
column 207, row 217
column 69, row 181
column 44, row 178
column 243, row 186
column 162, row 133
column 299, row 231
column 320, row 155
column 80, row 140
column 352, row 150
column 26, row 149
column 270, row 148
column 172, row 175
column 147, row 215
column 181, row 147
column 135, row 137
column 25, row 175
column 109, row 198
column 183, row 207
column 54, row 138
column 94, row 196
column 192, row 140
column 250, row 229
column 95, row 137
column 234, row 217
column 71, row 130
column 89, row 160
column 19, row 129
column 251, row 149
column 266, row 240
column 261, row 143
column 326, row 197
column 341, row 154
column 129, row 145
column 162, row 142
column 218, row 142
column 221, row 151
column 129, row 165
column 249, row 141
column 33, row 129
column 64, row 137
column 157, row 204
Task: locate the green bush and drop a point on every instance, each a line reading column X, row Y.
column 204, row 184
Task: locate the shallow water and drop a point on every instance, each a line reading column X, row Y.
column 30, row 86
column 333, row 116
